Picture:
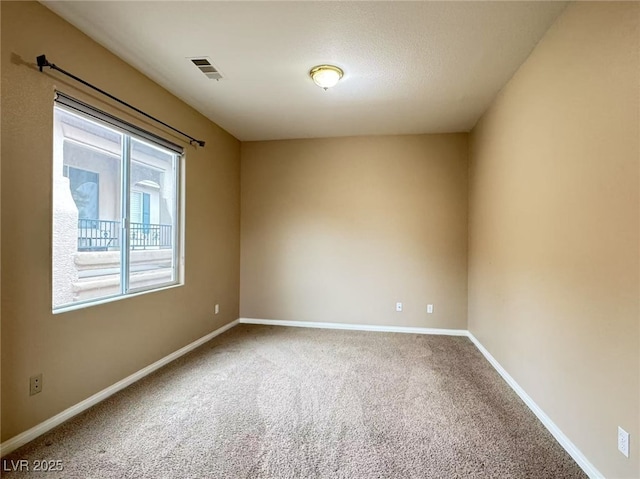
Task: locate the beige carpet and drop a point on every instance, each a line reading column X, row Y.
column 278, row 402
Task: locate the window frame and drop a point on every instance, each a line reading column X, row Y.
column 128, row 132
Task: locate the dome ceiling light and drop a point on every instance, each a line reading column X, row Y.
column 326, row 76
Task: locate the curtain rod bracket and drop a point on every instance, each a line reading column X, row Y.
column 42, row 62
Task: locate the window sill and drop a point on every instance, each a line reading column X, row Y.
column 111, row 299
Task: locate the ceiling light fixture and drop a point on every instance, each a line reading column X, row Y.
column 326, row 76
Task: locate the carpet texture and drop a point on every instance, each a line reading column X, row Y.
column 276, row 402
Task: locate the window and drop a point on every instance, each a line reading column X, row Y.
column 116, row 219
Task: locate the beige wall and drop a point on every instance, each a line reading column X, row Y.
column 82, row 352
column 339, row 230
column 554, row 207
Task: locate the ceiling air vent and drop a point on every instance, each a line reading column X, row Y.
column 205, row 66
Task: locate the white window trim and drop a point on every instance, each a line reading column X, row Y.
column 88, row 113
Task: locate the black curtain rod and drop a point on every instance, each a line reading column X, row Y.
column 43, row 62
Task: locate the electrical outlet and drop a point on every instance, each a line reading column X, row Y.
column 623, row 441
column 399, row 307
column 216, row 309
column 35, row 384
column 429, row 308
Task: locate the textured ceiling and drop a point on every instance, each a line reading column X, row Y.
column 410, row 67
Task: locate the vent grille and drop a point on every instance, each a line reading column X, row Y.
column 206, row 67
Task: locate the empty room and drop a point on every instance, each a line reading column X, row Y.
column 320, row 239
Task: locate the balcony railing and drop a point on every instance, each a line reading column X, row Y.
column 103, row 235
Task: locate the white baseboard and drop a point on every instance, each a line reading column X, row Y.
column 355, row 327
column 564, row 441
column 15, row 442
